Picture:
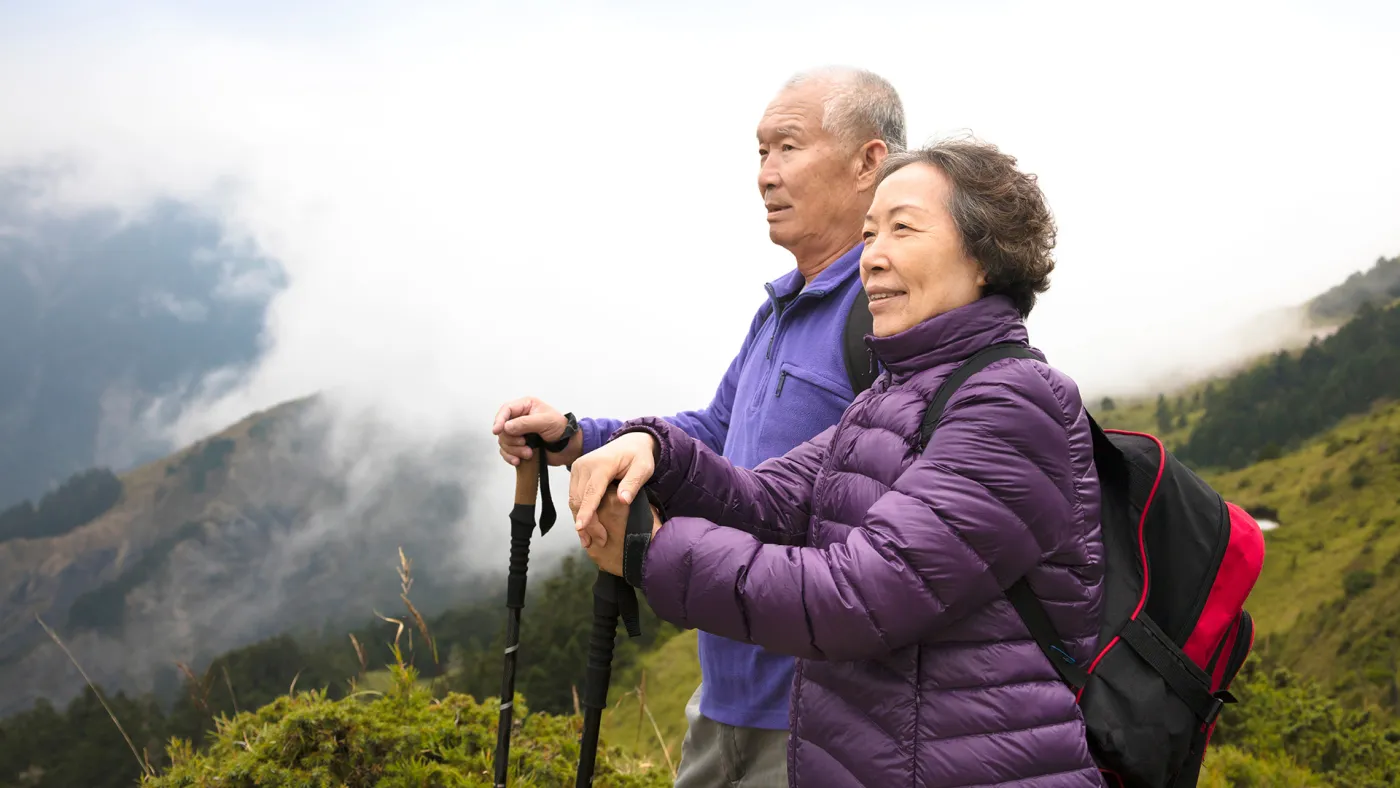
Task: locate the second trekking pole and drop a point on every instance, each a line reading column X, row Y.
column 530, row 477
column 613, row 597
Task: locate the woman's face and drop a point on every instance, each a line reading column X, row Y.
column 914, row 266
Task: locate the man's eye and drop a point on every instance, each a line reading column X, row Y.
column 788, row 148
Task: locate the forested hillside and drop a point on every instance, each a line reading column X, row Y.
column 1377, row 286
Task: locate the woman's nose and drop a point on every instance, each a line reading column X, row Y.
column 872, row 258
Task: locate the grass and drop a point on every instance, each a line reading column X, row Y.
column 1336, row 500
column 660, row 685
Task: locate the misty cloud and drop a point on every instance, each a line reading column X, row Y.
column 475, row 203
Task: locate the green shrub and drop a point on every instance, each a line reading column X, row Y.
column 1282, row 715
column 1319, row 492
column 1357, row 582
column 403, row 737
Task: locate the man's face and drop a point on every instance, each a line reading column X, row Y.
column 808, row 176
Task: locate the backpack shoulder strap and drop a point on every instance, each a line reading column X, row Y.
column 1019, row 594
column 860, row 368
column 971, row 367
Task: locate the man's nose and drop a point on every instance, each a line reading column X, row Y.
column 768, row 177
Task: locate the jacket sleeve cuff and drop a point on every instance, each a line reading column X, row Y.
column 593, row 434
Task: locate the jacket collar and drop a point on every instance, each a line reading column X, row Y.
column 951, row 336
column 792, row 282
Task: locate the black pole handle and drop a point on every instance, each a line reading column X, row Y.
column 613, row 598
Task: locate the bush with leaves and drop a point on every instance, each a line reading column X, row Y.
column 1282, row 714
column 403, row 737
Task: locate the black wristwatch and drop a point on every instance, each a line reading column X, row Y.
column 570, row 429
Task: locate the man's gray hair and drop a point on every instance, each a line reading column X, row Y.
column 859, row 106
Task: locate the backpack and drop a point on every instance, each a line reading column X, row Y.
column 859, row 322
column 1180, row 562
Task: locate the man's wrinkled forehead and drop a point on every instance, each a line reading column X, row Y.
column 792, row 114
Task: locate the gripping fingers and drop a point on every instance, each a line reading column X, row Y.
column 584, row 495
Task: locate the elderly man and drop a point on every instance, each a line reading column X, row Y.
column 820, row 142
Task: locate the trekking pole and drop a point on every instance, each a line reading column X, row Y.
column 612, row 597
column 529, row 478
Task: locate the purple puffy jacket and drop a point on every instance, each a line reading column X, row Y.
column 883, row 569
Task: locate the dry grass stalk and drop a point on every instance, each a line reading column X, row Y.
column 406, row 582
column 398, row 633
column 229, row 683
column 665, row 750
column 201, row 700
column 639, row 692
column 359, row 652
column 145, row 767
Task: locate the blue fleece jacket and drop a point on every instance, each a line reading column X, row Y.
column 787, row 383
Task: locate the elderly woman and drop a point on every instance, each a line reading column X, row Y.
column 881, row 565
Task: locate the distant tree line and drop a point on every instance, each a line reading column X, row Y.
column 81, row 499
column 1275, row 406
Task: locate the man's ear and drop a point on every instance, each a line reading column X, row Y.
column 870, row 156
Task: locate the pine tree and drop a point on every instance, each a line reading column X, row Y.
column 1164, row 414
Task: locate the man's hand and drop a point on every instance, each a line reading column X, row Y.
column 611, row 519
column 520, row 417
column 627, row 458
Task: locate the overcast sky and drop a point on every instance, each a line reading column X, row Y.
column 475, row 201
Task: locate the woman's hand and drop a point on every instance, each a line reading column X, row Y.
column 611, row 517
column 628, row 458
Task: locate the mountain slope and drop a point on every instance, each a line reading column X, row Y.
column 264, row 528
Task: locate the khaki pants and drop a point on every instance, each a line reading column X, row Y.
column 715, row 755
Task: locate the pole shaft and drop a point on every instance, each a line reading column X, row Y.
column 503, row 729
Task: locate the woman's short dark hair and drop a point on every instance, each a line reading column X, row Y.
column 1005, row 223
